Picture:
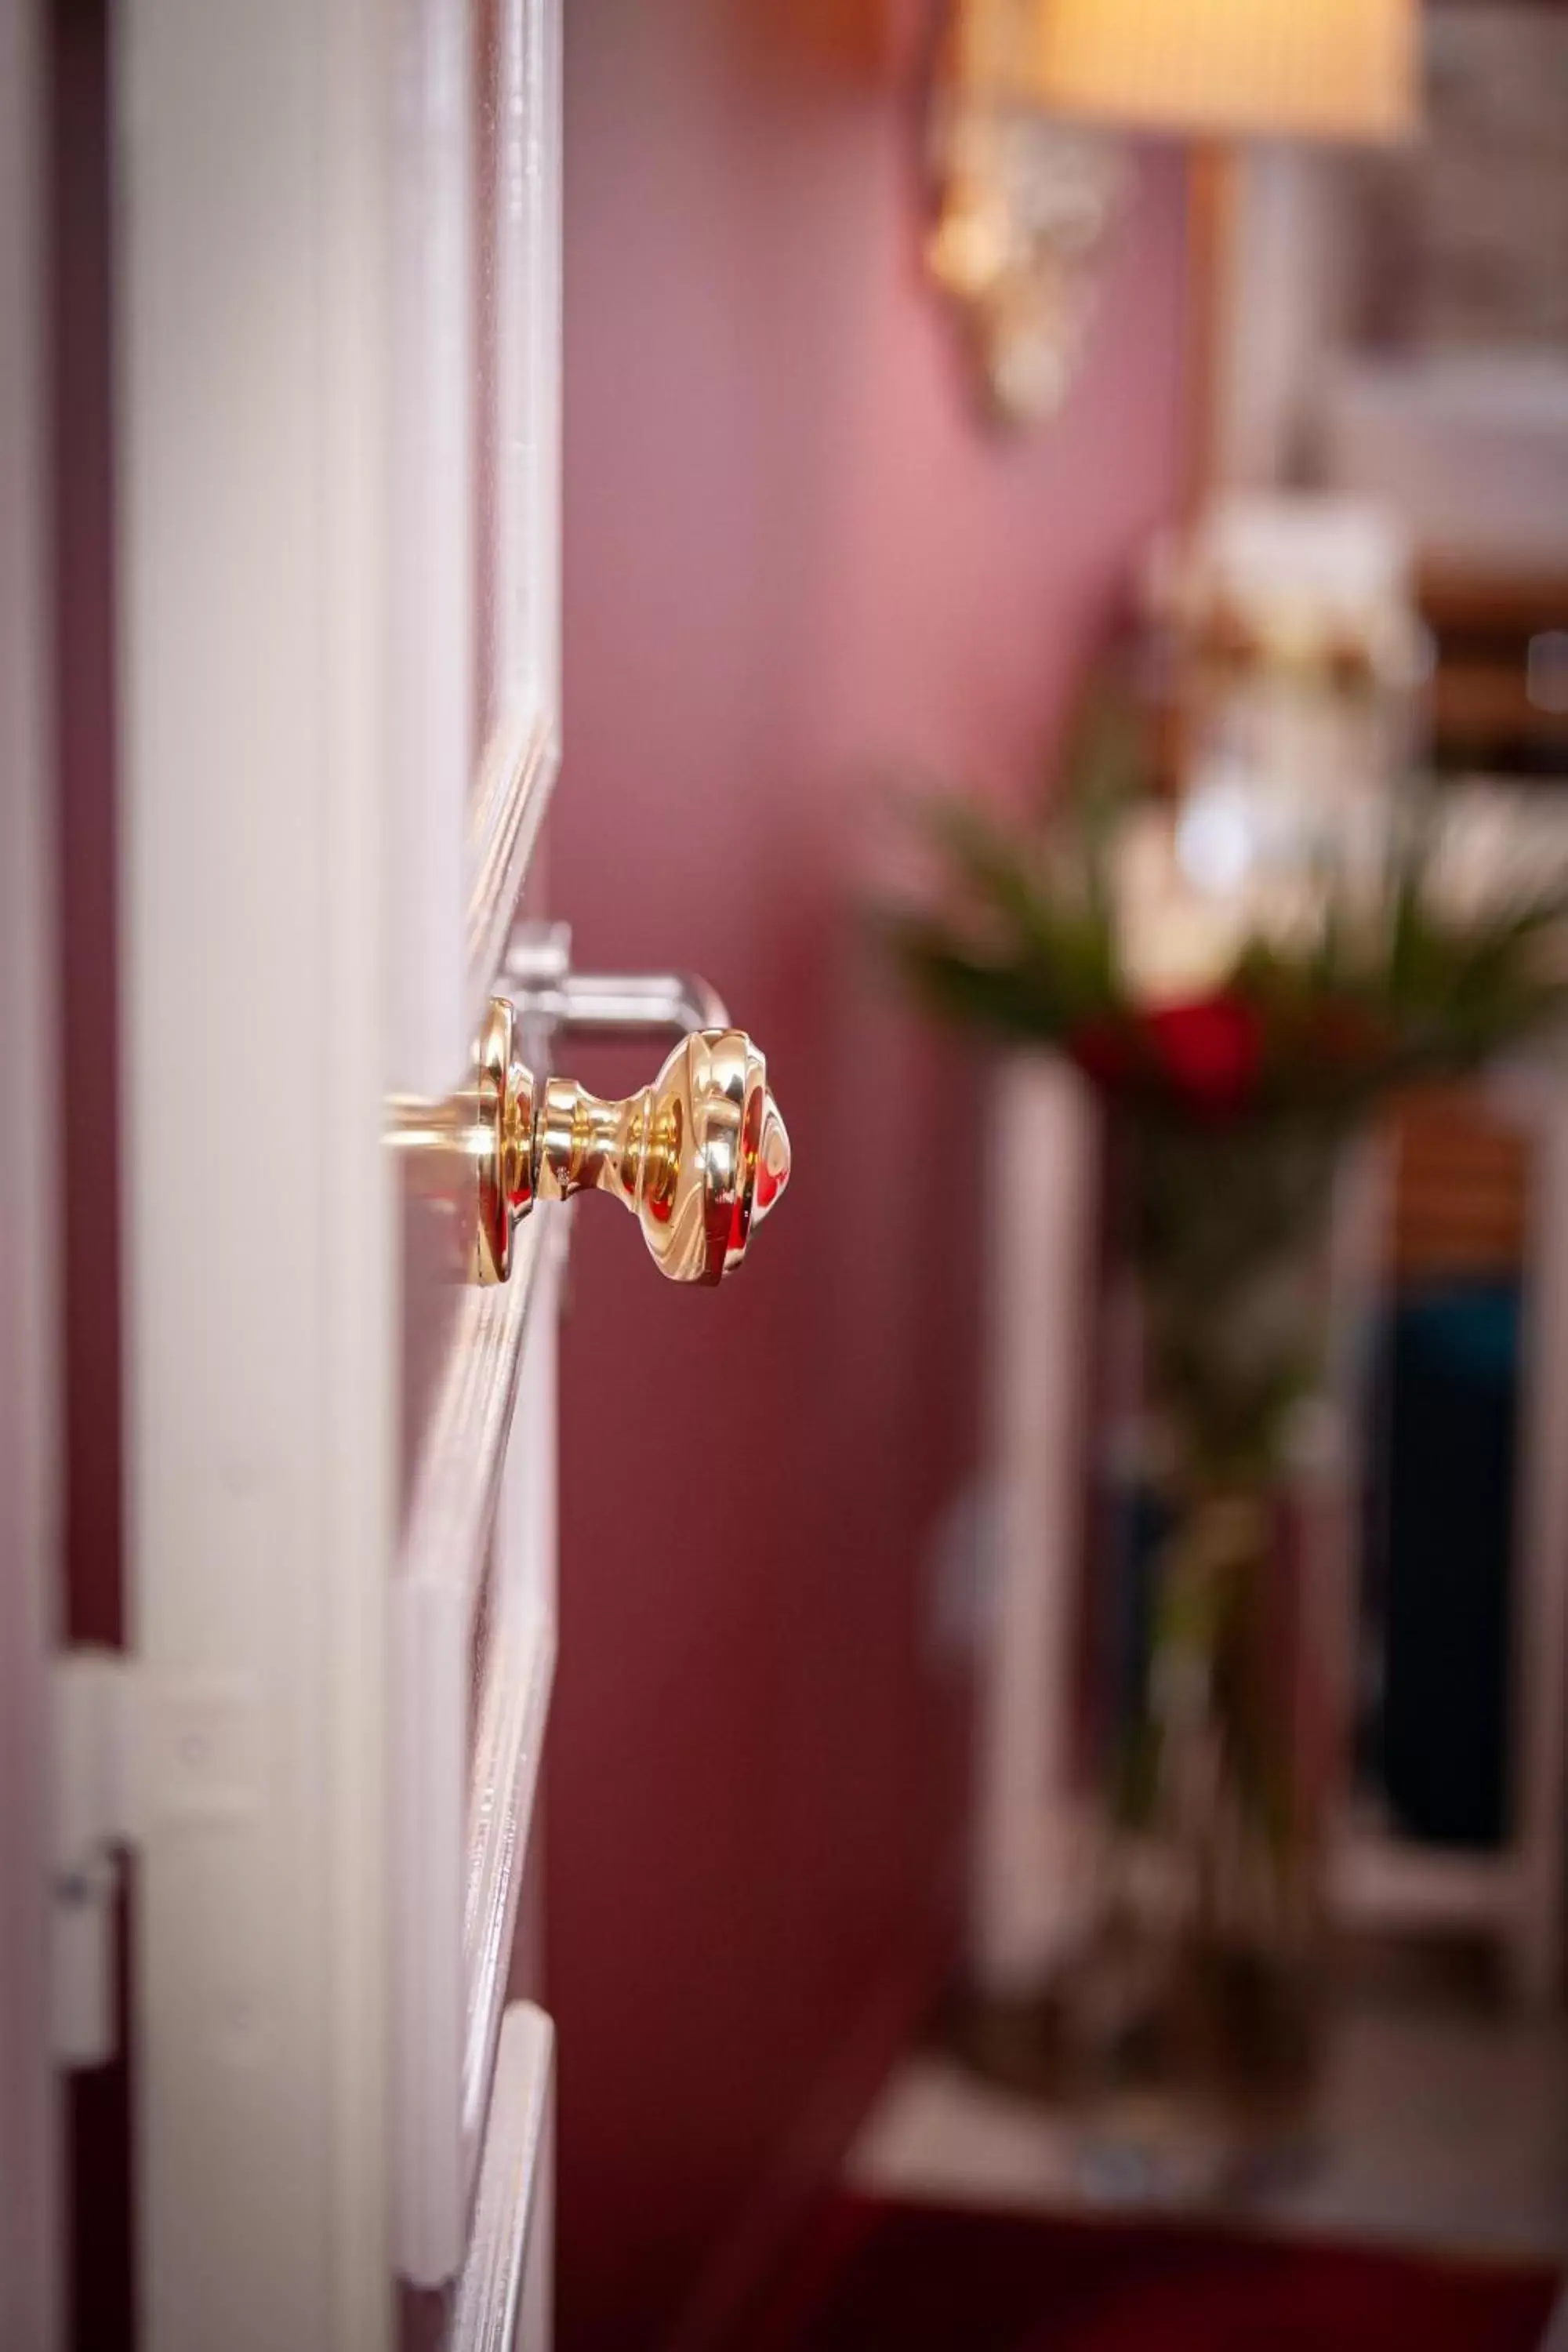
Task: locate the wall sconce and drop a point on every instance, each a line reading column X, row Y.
column 1025, row 208
column 1031, row 173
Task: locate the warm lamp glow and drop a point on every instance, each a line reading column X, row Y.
column 1281, row 68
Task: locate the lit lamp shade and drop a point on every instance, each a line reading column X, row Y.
column 1337, row 69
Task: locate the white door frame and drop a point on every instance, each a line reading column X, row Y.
column 255, row 677
column 320, row 872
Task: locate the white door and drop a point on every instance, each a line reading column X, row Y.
column 338, row 417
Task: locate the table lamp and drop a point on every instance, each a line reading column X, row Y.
column 1334, row 69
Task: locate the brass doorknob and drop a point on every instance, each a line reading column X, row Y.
column 700, row 1157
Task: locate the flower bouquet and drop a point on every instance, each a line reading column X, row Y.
column 1237, row 1040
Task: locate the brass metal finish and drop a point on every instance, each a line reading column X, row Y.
column 502, row 1143
column 700, row 1157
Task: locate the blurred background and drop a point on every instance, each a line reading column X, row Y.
column 896, row 372
column 937, row 371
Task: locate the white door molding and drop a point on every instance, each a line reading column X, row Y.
column 252, row 429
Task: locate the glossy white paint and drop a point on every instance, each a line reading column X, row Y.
column 474, row 1602
column 511, row 1698
column 503, row 2298
column 525, row 618
column 261, row 1378
column 468, row 1724
column 430, row 684
column 333, row 791
column 520, row 302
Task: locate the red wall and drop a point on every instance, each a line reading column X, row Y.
column 792, row 562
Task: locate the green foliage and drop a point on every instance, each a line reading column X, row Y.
column 1377, row 981
column 1368, row 977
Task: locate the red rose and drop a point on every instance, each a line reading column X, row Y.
column 1209, row 1051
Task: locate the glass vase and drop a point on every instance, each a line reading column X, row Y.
column 1190, row 2021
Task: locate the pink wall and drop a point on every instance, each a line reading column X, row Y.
column 793, row 560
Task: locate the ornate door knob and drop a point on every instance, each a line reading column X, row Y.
column 700, row 1157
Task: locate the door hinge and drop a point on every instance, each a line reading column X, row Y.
column 140, row 1753
column 94, row 1819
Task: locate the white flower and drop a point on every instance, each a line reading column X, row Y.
column 1176, row 942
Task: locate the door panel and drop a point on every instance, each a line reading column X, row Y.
column 474, row 1652
column 504, row 2298
column 516, row 184
column 514, row 1663
column 474, row 1606
column 432, row 529
column 338, row 412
